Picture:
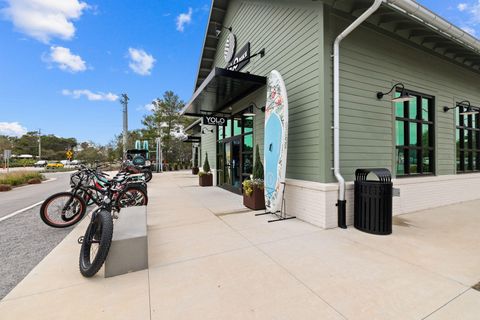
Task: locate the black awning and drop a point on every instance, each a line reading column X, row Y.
column 221, row 89
column 192, row 139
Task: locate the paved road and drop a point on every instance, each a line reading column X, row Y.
column 23, row 197
column 24, row 239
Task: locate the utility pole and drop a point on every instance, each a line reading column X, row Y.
column 124, row 102
column 39, row 144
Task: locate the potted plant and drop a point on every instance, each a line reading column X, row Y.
column 205, row 178
column 195, row 165
column 253, row 195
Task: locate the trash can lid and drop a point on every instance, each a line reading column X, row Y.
column 383, row 174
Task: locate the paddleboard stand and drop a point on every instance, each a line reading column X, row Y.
column 282, row 214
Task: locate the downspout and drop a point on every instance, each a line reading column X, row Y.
column 342, row 203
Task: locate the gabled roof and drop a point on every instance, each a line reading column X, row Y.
column 404, row 19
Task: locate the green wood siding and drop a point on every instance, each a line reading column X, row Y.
column 209, row 141
column 371, row 62
column 292, row 35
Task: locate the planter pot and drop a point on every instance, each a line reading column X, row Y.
column 194, row 171
column 256, row 201
column 205, row 180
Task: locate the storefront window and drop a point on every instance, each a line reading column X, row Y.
column 220, row 133
column 248, row 143
column 415, row 135
column 467, row 141
column 228, row 129
column 247, row 124
column 237, row 126
column 248, row 164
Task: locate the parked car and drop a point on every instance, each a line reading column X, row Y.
column 40, row 163
column 75, row 162
column 55, row 165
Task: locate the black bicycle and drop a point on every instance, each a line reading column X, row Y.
column 64, row 209
column 97, row 239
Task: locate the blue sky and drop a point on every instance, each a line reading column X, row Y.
column 45, row 69
column 63, row 63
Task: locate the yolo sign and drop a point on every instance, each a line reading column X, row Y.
column 214, row 121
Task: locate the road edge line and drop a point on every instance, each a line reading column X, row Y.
column 13, row 214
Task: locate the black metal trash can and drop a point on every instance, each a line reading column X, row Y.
column 373, row 201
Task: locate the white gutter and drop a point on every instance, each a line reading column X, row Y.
column 341, row 204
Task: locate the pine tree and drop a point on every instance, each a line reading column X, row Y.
column 258, row 167
column 195, row 159
column 206, row 165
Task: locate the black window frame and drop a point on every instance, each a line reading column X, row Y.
column 419, row 147
column 473, row 145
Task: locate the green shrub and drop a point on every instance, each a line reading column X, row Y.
column 17, row 163
column 195, row 161
column 258, row 166
column 19, row 177
column 34, row 181
column 206, row 165
column 5, row 187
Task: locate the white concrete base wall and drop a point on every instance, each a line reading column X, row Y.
column 315, row 202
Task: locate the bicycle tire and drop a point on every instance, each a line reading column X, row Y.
column 135, row 188
column 100, row 230
column 65, row 222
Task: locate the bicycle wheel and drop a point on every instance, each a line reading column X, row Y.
column 96, row 243
column 63, row 210
column 132, row 196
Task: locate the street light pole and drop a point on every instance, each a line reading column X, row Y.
column 39, row 144
column 124, row 102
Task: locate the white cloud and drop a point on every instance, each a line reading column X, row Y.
column 475, row 12
column 149, row 107
column 140, row 61
column 462, row 6
column 183, row 19
column 45, row 19
column 65, row 59
column 12, row 129
column 469, row 30
column 92, row 96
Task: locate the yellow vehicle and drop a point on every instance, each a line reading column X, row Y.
column 54, row 165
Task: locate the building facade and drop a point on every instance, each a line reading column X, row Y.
column 433, row 154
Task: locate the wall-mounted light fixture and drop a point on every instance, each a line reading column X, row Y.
column 205, row 130
column 469, row 109
column 250, row 110
column 218, row 29
column 404, row 96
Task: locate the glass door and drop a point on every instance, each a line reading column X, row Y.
column 235, row 166
column 232, row 165
column 227, row 178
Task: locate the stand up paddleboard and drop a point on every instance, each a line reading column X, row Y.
column 276, row 138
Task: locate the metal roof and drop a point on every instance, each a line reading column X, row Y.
column 404, row 19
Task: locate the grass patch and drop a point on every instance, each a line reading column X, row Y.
column 18, row 178
column 58, row 170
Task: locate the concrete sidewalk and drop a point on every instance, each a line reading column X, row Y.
column 210, row 260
